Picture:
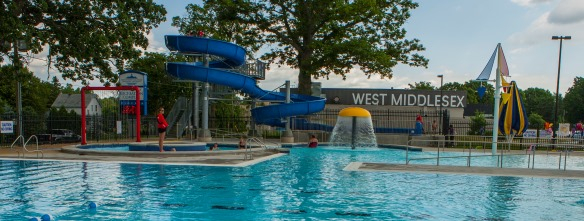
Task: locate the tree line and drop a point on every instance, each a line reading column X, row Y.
column 539, row 103
column 89, row 40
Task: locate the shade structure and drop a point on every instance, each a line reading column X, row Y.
column 512, row 114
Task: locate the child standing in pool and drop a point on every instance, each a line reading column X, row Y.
column 313, row 142
column 162, row 125
column 214, row 147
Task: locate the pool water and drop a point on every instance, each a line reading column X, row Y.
column 307, row 184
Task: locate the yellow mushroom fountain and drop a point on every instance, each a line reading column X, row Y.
column 354, row 128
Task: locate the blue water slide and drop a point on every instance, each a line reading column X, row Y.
column 216, row 73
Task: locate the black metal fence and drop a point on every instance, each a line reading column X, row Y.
column 105, row 128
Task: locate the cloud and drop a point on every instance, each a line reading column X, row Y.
column 567, row 12
column 276, row 76
column 154, row 45
column 530, row 3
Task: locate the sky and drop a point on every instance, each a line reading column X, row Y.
column 459, row 37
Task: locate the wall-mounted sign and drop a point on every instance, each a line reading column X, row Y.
column 7, row 127
column 395, row 97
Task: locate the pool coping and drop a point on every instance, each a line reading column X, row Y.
column 463, row 170
column 74, row 149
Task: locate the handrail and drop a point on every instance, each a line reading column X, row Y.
column 258, row 142
column 531, row 160
column 37, row 147
column 248, row 154
column 13, row 143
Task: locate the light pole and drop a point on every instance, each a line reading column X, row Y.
column 555, row 126
column 441, row 81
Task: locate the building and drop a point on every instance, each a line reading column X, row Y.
column 72, row 102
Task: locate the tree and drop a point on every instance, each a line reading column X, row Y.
column 86, row 39
column 478, row 124
column 162, row 91
column 539, row 101
column 574, row 101
column 423, row 85
column 317, row 37
column 229, row 116
column 536, row 121
column 471, row 89
column 36, row 94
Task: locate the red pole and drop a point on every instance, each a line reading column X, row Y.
column 121, row 88
column 137, row 113
column 83, row 123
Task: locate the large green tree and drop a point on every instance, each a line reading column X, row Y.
column 317, row 37
column 471, row 88
column 422, row 85
column 36, row 94
column 162, row 91
column 539, row 101
column 574, row 101
column 84, row 39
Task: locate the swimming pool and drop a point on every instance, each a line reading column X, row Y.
column 308, row 184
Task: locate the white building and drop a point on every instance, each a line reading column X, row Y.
column 72, row 102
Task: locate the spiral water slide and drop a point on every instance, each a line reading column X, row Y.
column 219, row 72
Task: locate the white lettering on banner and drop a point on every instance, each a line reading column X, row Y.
column 369, row 99
column 460, row 104
column 408, row 100
column 395, row 102
column 420, row 98
column 357, row 99
column 382, row 98
column 7, row 127
column 411, row 100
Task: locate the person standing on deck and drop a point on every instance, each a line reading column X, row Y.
column 162, row 125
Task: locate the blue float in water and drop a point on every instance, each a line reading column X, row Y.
column 92, row 205
column 47, row 217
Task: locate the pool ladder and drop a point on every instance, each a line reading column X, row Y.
column 258, row 142
column 26, row 150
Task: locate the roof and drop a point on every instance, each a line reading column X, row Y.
column 72, row 100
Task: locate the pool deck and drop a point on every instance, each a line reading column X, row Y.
column 484, row 171
column 237, row 159
column 67, row 152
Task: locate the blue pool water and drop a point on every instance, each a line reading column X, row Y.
column 307, row 184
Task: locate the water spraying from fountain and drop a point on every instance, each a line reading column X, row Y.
column 354, row 128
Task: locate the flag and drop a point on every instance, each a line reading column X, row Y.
column 503, row 63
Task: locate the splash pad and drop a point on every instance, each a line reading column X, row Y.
column 354, row 128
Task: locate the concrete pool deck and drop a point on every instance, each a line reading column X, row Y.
column 484, row 171
column 68, row 152
column 237, row 159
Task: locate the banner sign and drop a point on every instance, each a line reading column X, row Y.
column 395, row 97
column 532, row 133
column 564, row 130
column 7, row 127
